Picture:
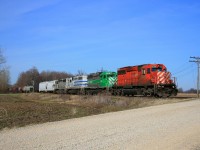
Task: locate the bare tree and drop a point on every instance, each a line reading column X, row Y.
column 192, row 90
column 30, row 77
column 4, row 73
column 2, row 60
column 53, row 75
column 4, row 80
column 80, row 73
column 33, row 77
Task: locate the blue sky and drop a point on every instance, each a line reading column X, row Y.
column 64, row 35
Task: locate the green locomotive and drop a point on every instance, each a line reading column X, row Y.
column 100, row 81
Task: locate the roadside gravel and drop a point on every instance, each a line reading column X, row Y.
column 169, row 126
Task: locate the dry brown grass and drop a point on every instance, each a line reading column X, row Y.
column 187, row 95
column 24, row 109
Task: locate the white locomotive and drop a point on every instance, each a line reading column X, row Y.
column 67, row 85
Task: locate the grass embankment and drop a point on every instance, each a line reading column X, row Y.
column 23, row 109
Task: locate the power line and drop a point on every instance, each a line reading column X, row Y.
column 185, row 72
column 181, row 69
column 197, row 61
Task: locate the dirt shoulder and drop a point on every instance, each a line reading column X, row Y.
column 170, row 126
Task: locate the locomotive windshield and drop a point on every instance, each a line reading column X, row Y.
column 154, row 69
column 111, row 75
column 121, row 72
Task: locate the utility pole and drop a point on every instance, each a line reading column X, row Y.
column 197, row 60
column 33, row 82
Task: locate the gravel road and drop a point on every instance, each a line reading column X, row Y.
column 170, row 126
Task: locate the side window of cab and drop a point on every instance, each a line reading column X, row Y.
column 148, row 70
column 143, row 71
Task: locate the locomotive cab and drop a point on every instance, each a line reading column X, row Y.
column 163, row 84
column 160, row 75
column 108, row 79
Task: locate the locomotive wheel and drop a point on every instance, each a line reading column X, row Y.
column 166, row 95
column 119, row 92
column 144, row 94
column 114, row 93
column 122, row 93
column 158, row 95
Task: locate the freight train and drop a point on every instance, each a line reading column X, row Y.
column 147, row 80
column 25, row 89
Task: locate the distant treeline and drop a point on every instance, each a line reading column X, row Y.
column 192, row 90
column 33, row 77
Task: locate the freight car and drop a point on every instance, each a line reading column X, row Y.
column 48, row 86
column 28, row 89
column 147, row 80
column 15, row 89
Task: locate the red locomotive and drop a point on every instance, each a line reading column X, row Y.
column 147, row 79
